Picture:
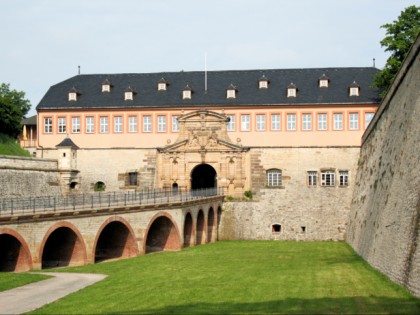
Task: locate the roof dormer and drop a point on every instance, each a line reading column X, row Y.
column 186, row 92
column 354, row 89
column 106, row 86
column 263, row 82
column 291, row 90
column 129, row 94
column 231, row 91
column 323, row 81
column 73, row 93
column 162, row 84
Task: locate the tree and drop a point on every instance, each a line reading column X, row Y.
column 400, row 35
column 13, row 107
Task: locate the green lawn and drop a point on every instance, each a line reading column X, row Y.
column 13, row 280
column 240, row 277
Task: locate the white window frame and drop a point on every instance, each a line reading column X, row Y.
column 106, row 88
column 323, row 83
column 147, row 123
column 274, row 177
column 230, row 94
column 343, row 178
column 161, row 86
column 275, row 122
column 48, row 124
column 132, row 123
column 368, row 118
column 327, row 178
column 75, row 124
column 260, row 121
column 245, row 122
column 231, row 123
column 291, row 92
column 62, row 124
column 186, row 95
column 72, row 96
column 312, row 178
column 354, row 121
column 322, row 121
column 338, row 121
column 291, row 122
column 161, row 123
column 354, row 91
column 128, row 96
column 103, row 124
column 90, row 124
column 307, row 122
column 263, row 84
column 118, row 124
column 175, row 123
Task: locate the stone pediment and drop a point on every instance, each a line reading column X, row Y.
column 203, row 130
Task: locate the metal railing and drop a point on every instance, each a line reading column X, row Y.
column 99, row 200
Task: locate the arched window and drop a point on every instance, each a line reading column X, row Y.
column 274, row 177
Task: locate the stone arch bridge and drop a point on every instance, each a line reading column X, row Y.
column 80, row 235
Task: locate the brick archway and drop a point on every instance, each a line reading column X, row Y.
column 162, row 234
column 62, row 245
column 188, row 230
column 200, row 237
column 210, row 225
column 14, row 252
column 115, row 239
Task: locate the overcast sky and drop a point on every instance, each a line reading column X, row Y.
column 44, row 41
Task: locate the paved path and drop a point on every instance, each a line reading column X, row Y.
column 35, row 295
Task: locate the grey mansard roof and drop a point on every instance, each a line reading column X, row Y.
column 89, row 88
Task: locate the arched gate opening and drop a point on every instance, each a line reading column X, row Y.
column 203, row 176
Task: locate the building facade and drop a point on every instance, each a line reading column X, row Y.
column 291, row 134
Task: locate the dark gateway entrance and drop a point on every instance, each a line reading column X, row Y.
column 203, row 176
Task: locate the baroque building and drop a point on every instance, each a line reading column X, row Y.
column 290, row 136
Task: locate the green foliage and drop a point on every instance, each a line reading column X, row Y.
column 400, row 35
column 99, row 186
column 248, row 194
column 240, row 277
column 9, row 146
column 13, row 108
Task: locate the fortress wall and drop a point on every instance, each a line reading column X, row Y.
column 385, row 211
column 303, row 212
column 21, row 176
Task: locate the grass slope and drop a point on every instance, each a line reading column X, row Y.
column 13, row 280
column 240, row 277
column 9, row 146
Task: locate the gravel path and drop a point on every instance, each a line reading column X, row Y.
column 32, row 296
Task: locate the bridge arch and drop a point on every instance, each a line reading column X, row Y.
column 115, row 239
column 15, row 255
column 162, row 234
column 62, row 246
column 219, row 218
column 210, row 225
column 188, row 230
column 200, row 237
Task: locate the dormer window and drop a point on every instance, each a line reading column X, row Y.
column 162, row 85
column 106, row 86
column 354, row 89
column 263, row 82
column 73, row 94
column 323, row 81
column 291, row 90
column 231, row 91
column 186, row 93
column 128, row 94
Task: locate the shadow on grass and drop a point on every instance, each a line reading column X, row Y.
column 350, row 305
